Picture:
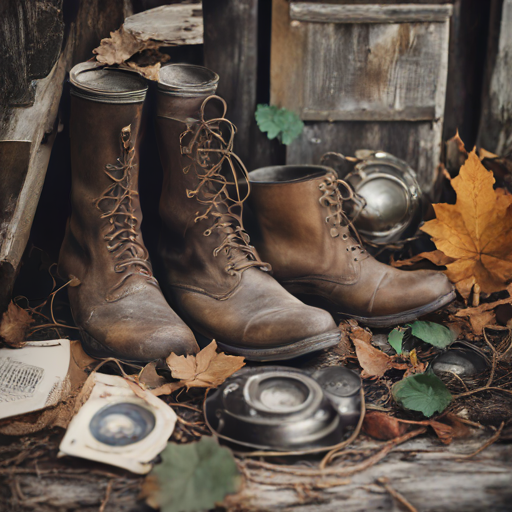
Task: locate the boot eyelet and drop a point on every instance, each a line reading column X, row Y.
column 355, row 259
column 344, row 236
column 348, row 249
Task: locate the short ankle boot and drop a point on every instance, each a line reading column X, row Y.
column 211, row 274
column 115, row 300
column 305, row 235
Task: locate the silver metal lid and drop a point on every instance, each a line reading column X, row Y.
column 187, row 80
column 95, row 82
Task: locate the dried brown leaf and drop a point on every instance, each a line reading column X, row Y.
column 456, row 153
column 208, row 369
column 149, row 378
column 383, row 426
column 436, row 257
column 476, row 231
column 483, row 315
column 150, row 72
column 374, row 362
column 14, row 326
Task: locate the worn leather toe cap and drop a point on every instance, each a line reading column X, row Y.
column 286, row 325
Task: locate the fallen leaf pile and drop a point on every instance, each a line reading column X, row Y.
column 14, row 326
column 208, row 369
column 476, row 232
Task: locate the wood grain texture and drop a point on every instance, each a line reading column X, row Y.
column 427, row 473
column 339, row 13
column 380, row 72
column 32, row 32
column 419, row 143
column 495, row 132
column 231, row 50
column 175, row 24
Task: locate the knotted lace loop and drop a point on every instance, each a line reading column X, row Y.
column 208, row 143
column 116, row 204
column 332, row 199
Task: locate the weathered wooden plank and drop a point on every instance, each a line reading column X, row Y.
column 430, row 476
column 495, row 132
column 288, row 47
column 32, row 32
column 468, row 41
column 32, row 124
column 175, row 24
column 231, row 50
column 368, row 13
column 409, row 113
column 384, row 72
column 419, row 144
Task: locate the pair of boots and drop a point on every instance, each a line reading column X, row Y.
column 211, row 275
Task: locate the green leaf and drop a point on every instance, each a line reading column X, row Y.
column 279, row 122
column 424, row 392
column 193, row 477
column 395, row 338
column 435, row 334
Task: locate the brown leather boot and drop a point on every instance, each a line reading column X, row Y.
column 117, row 304
column 304, row 234
column 212, row 276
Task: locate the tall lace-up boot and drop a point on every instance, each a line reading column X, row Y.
column 211, row 274
column 305, row 235
column 115, row 300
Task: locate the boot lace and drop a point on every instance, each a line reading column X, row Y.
column 339, row 223
column 116, row 204
column 210, row 150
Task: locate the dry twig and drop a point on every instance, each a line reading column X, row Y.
column 396, row 495
column 488, row 443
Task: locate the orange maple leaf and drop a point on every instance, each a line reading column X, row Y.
column 476, row 231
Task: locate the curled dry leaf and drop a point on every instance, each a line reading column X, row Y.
column 383, row 426
column 14, row 326
column 120, row 46
column 149, row 378
column 476, row 231
column 436, row 257
column 456, row 154
column 208, row 369
column 483, row 315
column 373, row 361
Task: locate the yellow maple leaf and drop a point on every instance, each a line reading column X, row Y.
column 476, row 231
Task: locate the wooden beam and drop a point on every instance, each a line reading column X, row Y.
column 407, row 114
column 369, row 13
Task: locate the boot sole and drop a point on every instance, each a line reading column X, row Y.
column 377, row 321
column 299, row 348
column 404, row 317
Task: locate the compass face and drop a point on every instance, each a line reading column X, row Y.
column 122, row 424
